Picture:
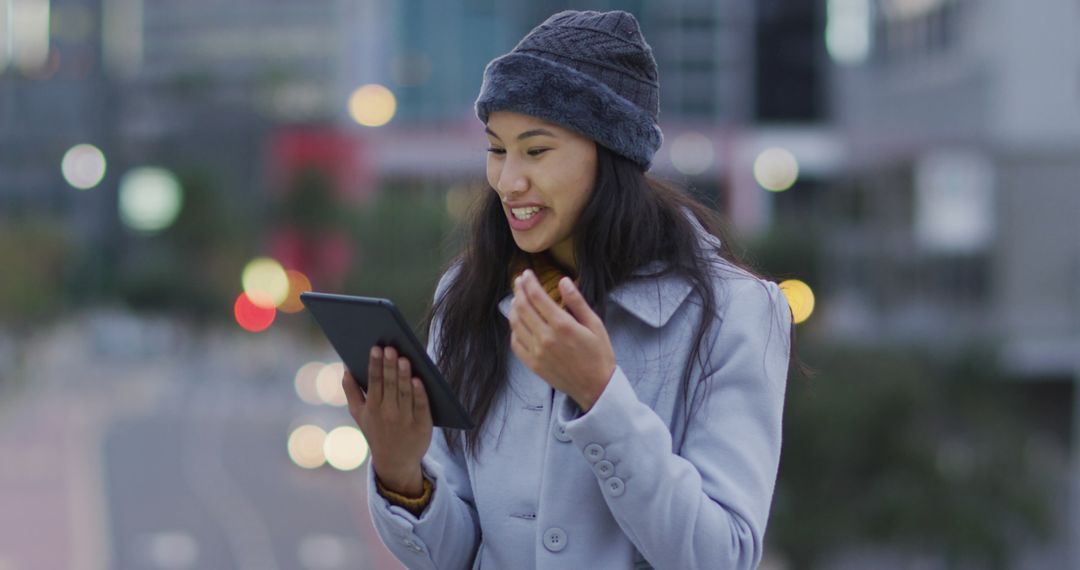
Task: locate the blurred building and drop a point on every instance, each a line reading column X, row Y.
column 53, row 95
column 960, row 221
column 965, row 120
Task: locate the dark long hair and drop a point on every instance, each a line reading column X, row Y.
column 630, row 219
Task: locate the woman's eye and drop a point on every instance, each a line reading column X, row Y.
column 497, row 150
column 537, row 151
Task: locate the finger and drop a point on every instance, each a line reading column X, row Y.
column 580, row 308
column 521, row 349
column 353, row 394
column 517, row 322
column 375, row 376
column 390, row 384
column 421, row 409
column 544, row 305
column 530, row 317
column 405, row 396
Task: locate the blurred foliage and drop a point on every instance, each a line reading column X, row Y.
column 309, row 205
column 191, row 269
column 35, row 257
column 400, row 236
column 904, row 449
column 785, row 252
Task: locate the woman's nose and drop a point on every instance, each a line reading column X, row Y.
column 512, row 180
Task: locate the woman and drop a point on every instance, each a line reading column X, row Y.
column 626, row 378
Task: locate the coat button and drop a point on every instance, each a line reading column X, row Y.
column 614, row 486
column 555, row 539
column 560, row 433
column 604, row 468
column 594, row 452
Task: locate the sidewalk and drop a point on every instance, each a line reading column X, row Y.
column 53, row 515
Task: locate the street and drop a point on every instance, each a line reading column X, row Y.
column 140, row 443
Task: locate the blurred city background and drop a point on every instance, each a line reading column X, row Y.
column 172, row 174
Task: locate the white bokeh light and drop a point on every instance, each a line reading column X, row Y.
column 150, row 198
column 305, row 446
column 776, row 169
column 345, row 448
column 304, row 382
column 328, row 384
column 83, row 166
column 848, row 31
column 692, row 153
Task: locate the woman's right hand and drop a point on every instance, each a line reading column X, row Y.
column 395, row 418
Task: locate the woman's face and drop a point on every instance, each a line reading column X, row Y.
column 536, row 164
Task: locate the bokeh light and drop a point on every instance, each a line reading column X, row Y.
column 848, row 31
column 305, row 383
column 692, row 153
column 26, row 37
column 328, row 384
column 345, row 448
column 776, row 169
column 252, row 317
column 800, row 297
column 372, row 105
column 83, row 166
column 298, row 283
column 265, row 282
column 150, row 198
column 306, row 445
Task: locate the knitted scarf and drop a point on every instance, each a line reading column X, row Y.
column 547, row 272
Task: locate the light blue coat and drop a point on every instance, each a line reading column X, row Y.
column 556, row 489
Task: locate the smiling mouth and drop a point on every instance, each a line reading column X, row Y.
column 525, row 213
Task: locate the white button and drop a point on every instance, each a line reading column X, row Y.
column 594, row 452
column 614, row 486
column 560, row 433
column 604, row 468
column 555, row 539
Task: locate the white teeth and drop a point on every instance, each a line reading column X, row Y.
column 525, row 213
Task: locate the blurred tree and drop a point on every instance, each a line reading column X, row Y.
column 34, row 257
column 192, row 268
column 401, row 238
column 903, row 449
column 787, row 253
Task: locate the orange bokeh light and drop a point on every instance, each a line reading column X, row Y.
column 298, row 283
column 250, row 316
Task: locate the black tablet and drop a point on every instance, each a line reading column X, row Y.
column 355, row 324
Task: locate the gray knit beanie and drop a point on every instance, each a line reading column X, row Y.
column 591, row 72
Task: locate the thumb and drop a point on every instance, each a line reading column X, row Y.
column 577, row 305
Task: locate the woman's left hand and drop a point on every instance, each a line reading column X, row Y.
column 571, row 351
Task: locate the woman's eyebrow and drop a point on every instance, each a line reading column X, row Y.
column 524, row 135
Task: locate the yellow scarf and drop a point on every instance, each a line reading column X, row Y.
column 547, row 272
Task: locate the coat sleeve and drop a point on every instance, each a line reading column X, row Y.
column 707, row 506
column 447, row 533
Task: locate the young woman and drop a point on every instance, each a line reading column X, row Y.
column 626, row 376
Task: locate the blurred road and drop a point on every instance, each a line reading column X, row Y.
column 137, row 444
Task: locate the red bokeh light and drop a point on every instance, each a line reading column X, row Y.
column 252, row 317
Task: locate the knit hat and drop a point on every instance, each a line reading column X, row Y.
column 591, row 72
